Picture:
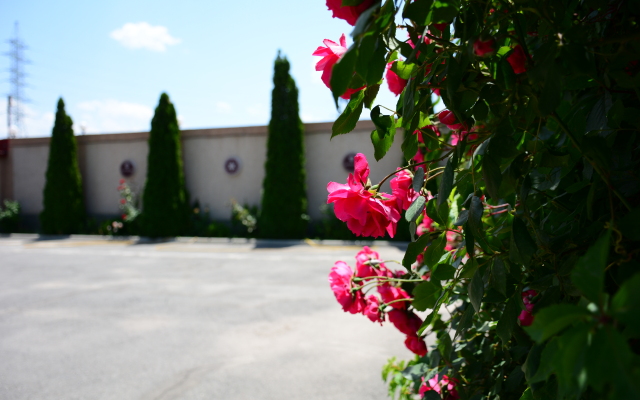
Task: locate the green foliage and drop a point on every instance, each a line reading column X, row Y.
column 165, row 207
column 284, row 198
column 63, row 202
column 243, row 219
column 10, row 217
column 545, row 189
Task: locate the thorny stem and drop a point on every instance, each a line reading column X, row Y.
column 415, row 165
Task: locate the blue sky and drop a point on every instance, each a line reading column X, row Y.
column 111, row 60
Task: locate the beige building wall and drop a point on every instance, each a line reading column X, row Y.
column 204, row 153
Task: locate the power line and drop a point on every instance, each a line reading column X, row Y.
column 15, row 99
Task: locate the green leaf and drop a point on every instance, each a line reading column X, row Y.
column 524, row 244
column 508, row 320
column 343, row 72
column 443, row 11
column 404, row 70
column 588, row 274
column 351, row 2
column 475, row 215
column 625, row 305
column 382, row 137
column 425, row 295
column 445, row 346
column 431, row 395
column 630, row 225
column 571, row 357
column 432, row 212
column 347, row 121
column 554, row 319
column 552, row 91
column 532, row 362
column 370, row 94
column 366, row 47
column 527, row 395
column 498, row 279
column 409, row 146
column 415, row 209
column 492, row 176
column 480, row 110
column 476, row 290
column 465, row 321
column 462, row 218
column 417, row 11
column 446, row 184
column 443, row 272
column 609, row 361
column 418, row 180
column 413, row 250
column 548, row 362
column 435, row 250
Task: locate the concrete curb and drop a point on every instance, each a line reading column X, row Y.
column 270, row 243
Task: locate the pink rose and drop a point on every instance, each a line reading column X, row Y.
column 340, row 280
column 484, row 48
column 372, row 309
column 368, row 264
column 449, row 119
column 366, row 212
column 457, row 137
column 402, row 189
column 441, row 27
column 330, row 56
column 453, row 239
column 440, row 385
column 518, row 60
column 396, row 84
column 425, row 226
column 416, row 344
column 405, row 321
column 348, row 13
column 526, row 316
column 390, row 293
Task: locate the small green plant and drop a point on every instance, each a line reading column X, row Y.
column 243, row 219
column 9, row 217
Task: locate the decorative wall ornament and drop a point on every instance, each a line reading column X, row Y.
column 232, row 165
column 347, row 161
column 127, row 168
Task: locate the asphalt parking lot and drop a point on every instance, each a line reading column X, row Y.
column 88, row 318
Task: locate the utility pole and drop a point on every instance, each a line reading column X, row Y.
column 16, row 98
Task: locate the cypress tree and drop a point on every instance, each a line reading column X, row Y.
column 63, row 211
column 284, row 198
column 164, row 202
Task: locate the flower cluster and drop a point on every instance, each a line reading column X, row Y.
column 353, row 292
column 366, row 211
column 127, row 202
column 441, row 384
column 526, row 315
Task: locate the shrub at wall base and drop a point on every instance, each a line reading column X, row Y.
column 63, row 211
column 165, row 209
column 284, row 198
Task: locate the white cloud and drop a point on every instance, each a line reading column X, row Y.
column 223, row 107
column 259, row 111
column 141, row 35
column 110, row 116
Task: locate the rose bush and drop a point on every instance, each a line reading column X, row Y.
column 522, row 202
